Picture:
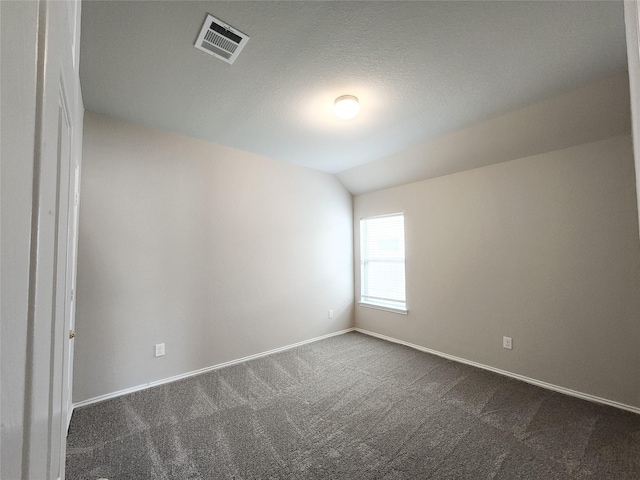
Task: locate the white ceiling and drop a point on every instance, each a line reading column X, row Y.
column 421, row 69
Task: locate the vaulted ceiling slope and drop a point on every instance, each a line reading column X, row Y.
column 420, row 69
column 594, row 112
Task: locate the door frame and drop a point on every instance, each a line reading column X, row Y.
column 57, row 153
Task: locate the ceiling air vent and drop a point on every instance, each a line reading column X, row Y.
column 221, row 40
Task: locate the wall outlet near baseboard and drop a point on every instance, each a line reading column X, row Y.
column 330, row 313
column 159, row 349
column 507, row 342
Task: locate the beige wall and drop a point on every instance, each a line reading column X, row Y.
column 216, row 252
column 543, row 249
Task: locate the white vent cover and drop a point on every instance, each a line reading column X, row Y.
column 221, row 40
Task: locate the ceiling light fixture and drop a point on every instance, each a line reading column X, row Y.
column 346, row 107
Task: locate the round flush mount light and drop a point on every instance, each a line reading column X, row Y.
column 346, row 107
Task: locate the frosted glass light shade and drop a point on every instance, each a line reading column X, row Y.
column 346, row 107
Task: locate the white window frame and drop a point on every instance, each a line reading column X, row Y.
column 395, row 305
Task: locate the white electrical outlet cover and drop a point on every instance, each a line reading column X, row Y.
column 507, row 342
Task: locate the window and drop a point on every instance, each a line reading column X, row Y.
column 382, row 281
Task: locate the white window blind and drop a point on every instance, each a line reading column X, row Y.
column 382, row 279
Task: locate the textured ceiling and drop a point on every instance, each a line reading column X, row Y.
column 420, row 69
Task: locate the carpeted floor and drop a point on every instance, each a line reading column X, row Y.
column 352, row 407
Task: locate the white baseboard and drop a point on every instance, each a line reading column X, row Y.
column 156, row 383
column 539, row 383
column 533, row 381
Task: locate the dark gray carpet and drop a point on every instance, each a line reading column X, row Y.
column 352, row 407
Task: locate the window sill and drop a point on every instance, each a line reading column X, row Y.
column 399, row 311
